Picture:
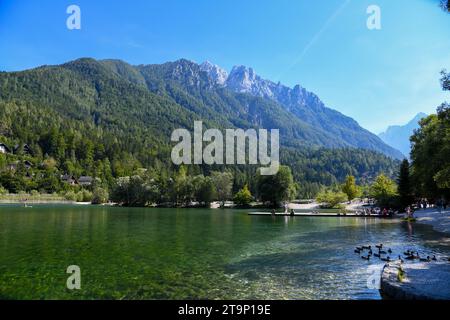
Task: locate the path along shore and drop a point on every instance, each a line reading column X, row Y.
column 420, row 281
column 439, row 221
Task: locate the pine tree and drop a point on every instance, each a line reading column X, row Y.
column 404, row 185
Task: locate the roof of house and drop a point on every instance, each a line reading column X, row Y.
column 85, row 179
column 27, row 163
column 67, row 177
column 5, row 146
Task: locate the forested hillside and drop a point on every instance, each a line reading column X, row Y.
column 107, row 119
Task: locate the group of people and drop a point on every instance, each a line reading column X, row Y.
column 385, row 212
column 440, row 204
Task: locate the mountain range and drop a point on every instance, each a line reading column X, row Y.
column 398, row 136
column 94, row 114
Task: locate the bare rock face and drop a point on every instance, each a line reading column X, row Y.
column 216, row 73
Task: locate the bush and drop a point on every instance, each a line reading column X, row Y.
column 70, row 196
column 100, row 196
column 135, row 191
column 86, row 196
column 82, row 196
column 331, row 200
column 3, row 191
column 243, row 197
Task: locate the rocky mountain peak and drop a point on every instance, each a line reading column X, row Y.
column 216, row 73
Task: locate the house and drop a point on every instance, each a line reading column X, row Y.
column 85, row 181
column 13, row 166
column 4, row 148
column 28, row 165
column 22, row 149
column 69, row 179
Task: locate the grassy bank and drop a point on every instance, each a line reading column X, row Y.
column 32, row 197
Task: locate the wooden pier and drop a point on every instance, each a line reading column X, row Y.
column 317, row 215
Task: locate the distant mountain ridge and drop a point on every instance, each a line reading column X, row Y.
column 398, row 136
column 126, row 114
column 305, row 105
column 207, row 92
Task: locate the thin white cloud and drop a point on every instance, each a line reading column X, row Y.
column 316, row 37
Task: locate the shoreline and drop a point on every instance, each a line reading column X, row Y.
column 6, row 202
column 419, row 281
column 440, row 222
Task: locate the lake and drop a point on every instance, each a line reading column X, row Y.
column 152, row 253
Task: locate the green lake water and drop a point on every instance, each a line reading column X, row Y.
column 128, row 253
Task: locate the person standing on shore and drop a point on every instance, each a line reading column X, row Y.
column 408, row 212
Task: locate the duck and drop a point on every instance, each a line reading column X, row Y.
column 367, row 247
column 389, row 251
column 359, row 248
column 388, row 259
column 380, row 246
column 400, row 258
column 377, row 255
column 357, row 251
column 410, row 257
column 382, row 252
column 434, row 258
column 366, row 258
column 370, row 251
column 407, row 253
column 427, row 259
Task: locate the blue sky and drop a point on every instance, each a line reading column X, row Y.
column 378, row 77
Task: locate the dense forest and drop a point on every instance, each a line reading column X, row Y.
column 105, row 120
column 431, row 152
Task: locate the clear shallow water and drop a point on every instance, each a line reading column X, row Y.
column 128, row 253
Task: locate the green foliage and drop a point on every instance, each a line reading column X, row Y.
column 404, row 185
column 107, row 119
column 99, row 196
column 331, row 200
column 430, row 153
column 3, row 191
column 134, row 191
column 223, row 182
column 243, row 197
column 205, row 190
column 384, row 190
column 84, row 196
column 351, row 189
column 70, row 196
column 277, row 188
